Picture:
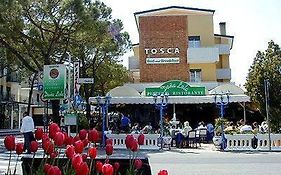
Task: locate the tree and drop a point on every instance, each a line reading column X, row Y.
column 110, row 75
column 266, row 65
column 96, row 44
column 42, row 32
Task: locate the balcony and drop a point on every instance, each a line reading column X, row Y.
column 224, row 49
column 203, row 55
column 224, row 74
column 134, row 63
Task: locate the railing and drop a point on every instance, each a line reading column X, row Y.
column 223, row 73
column 251, row 142
column 203, row 55
column 150, row 141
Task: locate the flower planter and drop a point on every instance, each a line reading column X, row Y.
column 217, row 142
column 124, row 164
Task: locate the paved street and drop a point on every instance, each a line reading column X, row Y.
column 202, row 161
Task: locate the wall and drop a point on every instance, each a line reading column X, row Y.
column 202, row 25
column 163, row 32
column 208, row 71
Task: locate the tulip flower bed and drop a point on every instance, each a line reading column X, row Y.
column 66, row 155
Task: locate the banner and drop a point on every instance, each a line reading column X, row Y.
column 175, row 88
column 54, row 81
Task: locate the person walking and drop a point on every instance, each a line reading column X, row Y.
column 27, row 128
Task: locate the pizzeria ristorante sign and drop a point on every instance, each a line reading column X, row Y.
column 176, row 88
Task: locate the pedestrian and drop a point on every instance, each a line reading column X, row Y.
column 125, row 123
column 27, row 128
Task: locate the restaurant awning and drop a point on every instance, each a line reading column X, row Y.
column 173, row 99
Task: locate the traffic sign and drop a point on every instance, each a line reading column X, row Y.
column 86, row 80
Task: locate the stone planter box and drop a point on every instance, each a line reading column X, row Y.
column 124, row 164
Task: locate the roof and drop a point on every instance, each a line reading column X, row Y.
column 230, row 88
column 175, row 7
column 180, row 8
column 123, row 91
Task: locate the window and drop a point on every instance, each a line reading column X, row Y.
column 195, row 75
column 194, row 41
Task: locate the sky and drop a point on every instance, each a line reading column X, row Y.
column 253, row 23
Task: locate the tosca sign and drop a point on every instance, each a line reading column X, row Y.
column 176, row 88
column 54, row 82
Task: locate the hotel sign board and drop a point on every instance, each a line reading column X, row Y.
column 176, row 88
column 175, row 60
column 54, row 81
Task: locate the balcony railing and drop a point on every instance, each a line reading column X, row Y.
column 223, row 49
column 223, row 73
column 203, row 55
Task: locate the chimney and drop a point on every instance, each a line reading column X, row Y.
column 222, row 28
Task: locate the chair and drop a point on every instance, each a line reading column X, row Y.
column 202, row 136
column 192, row 139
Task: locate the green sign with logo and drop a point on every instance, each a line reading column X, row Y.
column 54, row 81
column 176, row 88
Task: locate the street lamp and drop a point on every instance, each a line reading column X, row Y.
column 222, row 100
column 161, row 105
column 103, row 103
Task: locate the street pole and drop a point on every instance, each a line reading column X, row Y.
column 266, row 93
column 161, row 105
column 103, row 104
column 68, row 93
column 221, row 104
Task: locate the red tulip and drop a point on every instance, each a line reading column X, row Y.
column 79, row 146
column 19, row 148
column 83, row 169
column 107, row 169
column 109, row 149
column 54, row 170
column 34, row 146
column 93, row 135
column 53, row 129
column 59, row 139
column 39, row 133
column 83, row 134
column 138, row 164
column 49, row 148
column 163, row 172
column 45, row 136
column 84, row 157
column 54, row 155
column 10, row 143
column 76, row 161
column 134, row 145
column 70, row 151
column 92, row 152
column 116, row 166
column 109, row 141
column 68, row 140
column 85, row 142
column 99, row 166
column 46, row 168
column 128, row 141
column 141, row 139
column 76, row 138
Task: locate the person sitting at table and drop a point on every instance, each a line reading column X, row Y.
column 147, row 129
column 201, row 125
column 186, row 129
column 246, row 128
column 135, row 129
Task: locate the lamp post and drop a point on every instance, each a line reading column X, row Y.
column 103, row 103
column 161, row 105
column 222, row 100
